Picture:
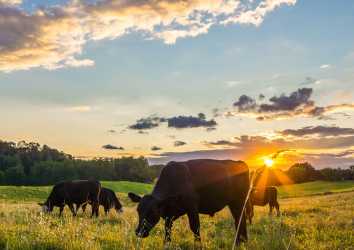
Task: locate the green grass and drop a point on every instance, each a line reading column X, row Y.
column 315, row 188
column 28, row 193
column 126, row 186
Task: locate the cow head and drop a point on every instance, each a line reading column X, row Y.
column 149, row 213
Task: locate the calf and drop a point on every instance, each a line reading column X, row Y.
column 108, row 200
column 73, row 192
column 259, row 198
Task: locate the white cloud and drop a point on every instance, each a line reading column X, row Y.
column 83, row 108
column 73, row 62
column 231, row 84
column 52, row 38
column 325, row 66
column 10, row 2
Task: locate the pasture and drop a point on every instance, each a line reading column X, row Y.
column 307, row 222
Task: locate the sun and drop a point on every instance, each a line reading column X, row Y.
column 268, row 162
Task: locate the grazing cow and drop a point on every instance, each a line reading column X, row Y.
column 259, row 198
column 73, row 192
column 192, row 187
column 108, row 200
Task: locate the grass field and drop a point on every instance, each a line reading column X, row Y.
column 28, row 193
column 309, row 222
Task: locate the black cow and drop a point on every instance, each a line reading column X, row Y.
column 73, row 192
column 108, row 200
column 193, row 187
column 259, row 197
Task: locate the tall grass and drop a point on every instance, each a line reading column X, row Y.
column 318, row 222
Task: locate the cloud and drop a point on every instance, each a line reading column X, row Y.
column 179, row 143
column 297, row 103
column 299, row 98
column 112, row 147
column 341, row 159
column 73, row 62
column 257, row 15
column 231, row 84
column 310, row 80
column 155, row 148
column 10, row 2
column 345, row 153
column 245, row 103
column 147, row 123
column 221, row 143
column 190, row 122
column 179, row 122
column 325, row 66
column 111, row 131
column 82, row 108
column 318, row 130
column 54, row 37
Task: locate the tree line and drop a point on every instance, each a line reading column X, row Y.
column 303, row 172
column 25, row 163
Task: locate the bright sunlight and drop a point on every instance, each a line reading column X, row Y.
column 268, row 162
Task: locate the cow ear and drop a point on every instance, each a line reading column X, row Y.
column 134, row 197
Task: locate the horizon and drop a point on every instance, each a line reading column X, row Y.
column 176, row 80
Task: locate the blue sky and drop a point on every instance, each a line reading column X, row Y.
column 100, row 79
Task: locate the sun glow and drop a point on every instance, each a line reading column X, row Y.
column 268, row 162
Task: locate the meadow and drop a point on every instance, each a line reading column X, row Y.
column 317, row 215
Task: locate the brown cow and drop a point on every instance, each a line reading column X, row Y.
column 259, row 198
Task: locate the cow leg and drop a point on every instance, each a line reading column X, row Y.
column 72, row 209
column 236, row 211
column 61, row 211
column 277, row 208
column 84, row 207
column 168, row 229
column 106, row 210
column 194, row 224
column 270, row 209
column 95, row 208
column 250, row 217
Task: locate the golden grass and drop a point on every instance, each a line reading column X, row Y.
column 318, row 222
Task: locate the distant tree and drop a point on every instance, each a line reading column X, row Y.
column 303, row 172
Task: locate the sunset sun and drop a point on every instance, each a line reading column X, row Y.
column 268, row 162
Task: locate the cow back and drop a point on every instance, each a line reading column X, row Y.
column 210, row 180
column 78, row 192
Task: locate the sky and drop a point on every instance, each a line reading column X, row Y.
column 178, row 80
